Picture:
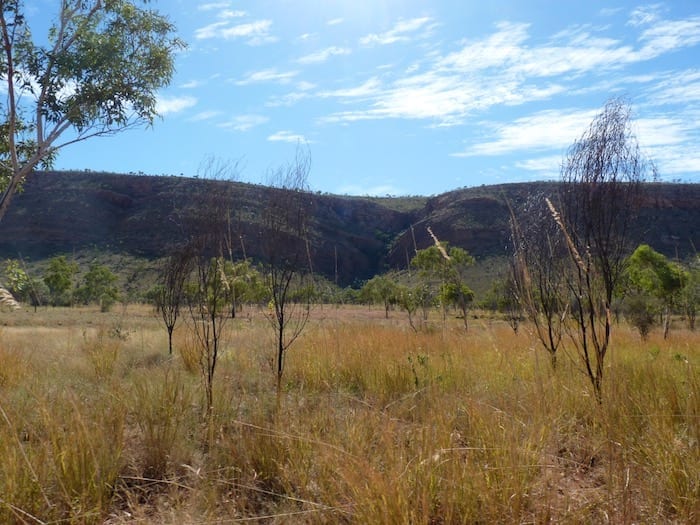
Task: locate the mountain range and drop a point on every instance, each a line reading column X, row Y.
column 352, row 238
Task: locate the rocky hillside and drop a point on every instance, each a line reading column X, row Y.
column 353, row 238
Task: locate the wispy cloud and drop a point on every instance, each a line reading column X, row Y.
column 168, row 105
column 546, row 167
column 546, row 130
column 323, row 55
column 675, row 87
column 212, row 6
column 191, row 84
column 204, row 115
column 255, row 33
column 644, row 15
column 303, row 91
column 244, row 122
column 668, row 35
column 267, row 75
column 506, row 67
column 400, row 32
column 371, row 87
column 335, row 21
column 288, row 136
column 230, row 13
column 672, row 142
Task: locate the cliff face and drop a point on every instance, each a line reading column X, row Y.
column 352, row 238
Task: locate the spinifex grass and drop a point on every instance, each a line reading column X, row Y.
column 376, row 424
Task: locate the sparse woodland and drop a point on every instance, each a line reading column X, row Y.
column 212, row 386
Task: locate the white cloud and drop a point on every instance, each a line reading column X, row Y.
column 669, row 35
column 609, row 11
column 303, row 92
column 212, row 6
column 192, row 84
column 644, row 15
column 546, row 130
column 370, row 87
column 335, row 21
column 499, row 49
column 677, row 87
column 288, row 136
column 398, row 33
column 547, row 166
column 323, row 55
column 257, row 32
column 228, row 13
column 244, row 122
column 204, row 115
column 505, row 68
column 167, row 105
column 305, row 86
column 267, row 75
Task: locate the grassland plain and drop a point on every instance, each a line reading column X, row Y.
column 375, row 424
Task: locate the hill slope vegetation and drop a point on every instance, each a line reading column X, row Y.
column 352, row 238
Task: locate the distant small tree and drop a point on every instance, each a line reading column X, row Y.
column 651, row 273
column 408, row 298
column 445, row 266
column 504, row 298
column 59, row 279
column 640, row 311
column 382, row 289
column 690, row 293
column 458, row 295
column 246, row 284
column 99, row 286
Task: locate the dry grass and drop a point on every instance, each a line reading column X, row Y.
column 377, row 424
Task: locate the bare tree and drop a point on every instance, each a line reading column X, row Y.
column 207, row 228
column 209, row 311
column 169, row 296
column 599, row 196
column 286, row 245
column 537, row 271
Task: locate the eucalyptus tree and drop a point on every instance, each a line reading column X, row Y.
column 99, row 286
column 58, row 277
column 651, row 273
column 383, row 289
column 97, row 72
column 444, row 266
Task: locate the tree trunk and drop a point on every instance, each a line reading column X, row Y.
column 170, row 340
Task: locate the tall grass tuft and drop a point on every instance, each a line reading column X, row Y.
column 162, row 410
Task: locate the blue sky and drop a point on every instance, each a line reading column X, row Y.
column 412, row 97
